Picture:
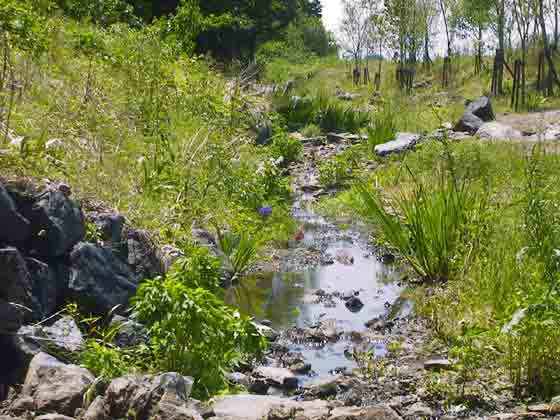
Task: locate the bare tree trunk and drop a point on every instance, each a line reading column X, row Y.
column 547, row 52
column 555, row 24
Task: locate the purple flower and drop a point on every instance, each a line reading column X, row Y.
column 265, row 211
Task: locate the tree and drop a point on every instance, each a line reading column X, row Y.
column 523, row 14
column 354, row 31
column 547, row 49
column 475, row 18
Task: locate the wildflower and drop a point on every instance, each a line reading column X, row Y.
column 265, row 211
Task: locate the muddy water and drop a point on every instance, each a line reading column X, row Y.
column 288, row 298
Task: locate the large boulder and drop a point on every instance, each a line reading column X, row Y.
column 277, row 377
column 109, row 226
column 481, row 108
column 54, row 386
column 497, row 131
column 162, row 396
column 478, row 112
column 14, row 228
column 57, row 224
column 15, row 281
column 99, row 279
column 48, row 286
column 401, row 143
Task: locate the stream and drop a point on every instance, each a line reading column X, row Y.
column 300, row 297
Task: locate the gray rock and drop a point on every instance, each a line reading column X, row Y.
column 264, row 134
column 324, row 386
column 379, row 412
column 15, row 282
column 402, row 142
column 481, row 107
column 129, row 332
column 478, row 112
column 354, row 304
column 418, row 410
column 149, row 396
column 57, row 224
column 266, row 331
column 143, row 256
column 238, row 378
column 96, row 410
column 99, row 280
column 14, row 228
column 169, row 255
column 437, row 364
column 258, row 407
column 276, row 376
column 497, row 131
column 109, row 225
column 53, row 417
column 11, row 316
column 55, row 386
column 48, row 286
column 469, row 123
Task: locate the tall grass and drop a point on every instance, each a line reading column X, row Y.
column 425, row 225
column 383, row 126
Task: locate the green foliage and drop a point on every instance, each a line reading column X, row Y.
column 323, row 111
column 311, row 130
column 22, row 27
column 383, row 126
column 198, row 270
column 339, row 169
column 425, row 226
column 240, row 248
column 286, row 149
column 105, row 12
column 193, row 332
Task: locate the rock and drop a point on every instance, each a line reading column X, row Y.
column 258, row 407
column 170, row 254
column 47, row 287
column 55, row 386
column 379, row 412
column 354, row 304
column 418, row 410
column 276, row 376
column 266, row 331
column 96, row 410
column 468, row 123
column 53, row 417
column 347, row 96
column 11, row 316
column 149, row 396
column 99, row 280
column 478, row 112
column 129, row 332
column 109, row 225
column 15, row 281
column 264, row 134
column 482, row 108
column 515, row 416
column 402, row 142
column 143, row 256
column 57, row 224
column 238, row 378
column 65, row 335
column 324, row 386
column 14, row 228
column 497, row 131
column 437, row 364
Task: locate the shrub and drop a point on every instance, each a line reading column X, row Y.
column 198, row 270
column 286, row 148
column 311, row 130
column 241, row 249
column 194, row 333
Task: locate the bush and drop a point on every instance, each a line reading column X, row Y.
column 198, row 270
column 383, row 126
column 241, row 249
column 194, row 333
column 286, row 148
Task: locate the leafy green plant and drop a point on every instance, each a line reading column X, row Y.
column 241, row 249
column 425, row 226
column 383, row 126
column 193, row 332
column 311, row 130
column 286, row 148
column 198, row 270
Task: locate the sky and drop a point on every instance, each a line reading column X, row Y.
column 332, row 14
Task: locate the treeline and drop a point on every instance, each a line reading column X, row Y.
column 227, row 30
column 506, row 29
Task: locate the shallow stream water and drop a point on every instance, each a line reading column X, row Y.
column 282, row 298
